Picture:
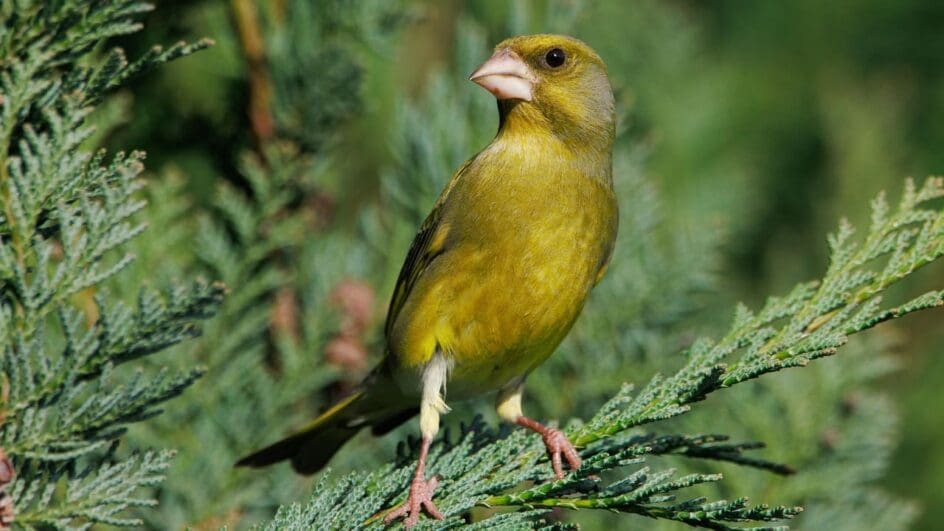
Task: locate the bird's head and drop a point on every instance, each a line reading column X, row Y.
column 554, row 83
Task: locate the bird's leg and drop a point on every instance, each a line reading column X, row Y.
column 431, row 407
column 557, row 444
column 421, row 494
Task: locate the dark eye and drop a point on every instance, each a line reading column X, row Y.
column 555, row 58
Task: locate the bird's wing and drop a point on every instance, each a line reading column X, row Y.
column 428, row 243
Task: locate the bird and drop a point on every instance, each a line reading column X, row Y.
column 500, row 269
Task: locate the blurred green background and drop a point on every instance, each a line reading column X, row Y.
column 760, row 124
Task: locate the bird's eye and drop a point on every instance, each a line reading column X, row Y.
column 555, row 58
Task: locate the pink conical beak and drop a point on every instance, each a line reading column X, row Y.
column 506, row 76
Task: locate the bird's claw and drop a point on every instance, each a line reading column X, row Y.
column 420, row 499
column 557, row 445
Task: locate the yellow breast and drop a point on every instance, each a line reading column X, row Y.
column 523, row 254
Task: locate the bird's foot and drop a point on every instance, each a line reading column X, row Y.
column 420, row 498
column 558, row 446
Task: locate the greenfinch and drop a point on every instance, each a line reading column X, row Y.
column 499, row 270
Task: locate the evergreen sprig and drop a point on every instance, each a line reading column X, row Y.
column 42, row 47
column 67, row 215
column 69, row 405
column 481, row 466
column 96, row 494
column 812, row 321
column 495, row 470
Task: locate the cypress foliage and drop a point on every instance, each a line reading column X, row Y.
column 68, row 215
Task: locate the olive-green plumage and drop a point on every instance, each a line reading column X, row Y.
column 501, row 268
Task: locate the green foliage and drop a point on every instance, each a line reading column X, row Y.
column 481, row 462
column 68, row 216
column 254, row 374
column 316, row 76
column 813, row 321
column 98, row 494
column 263, row 351
column 43, row 46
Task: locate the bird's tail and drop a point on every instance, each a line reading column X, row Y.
column 312, row 447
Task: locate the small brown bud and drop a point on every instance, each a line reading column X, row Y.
column 829, row 438
column 355, row 299
column 347, row 352
column 284, row 317
column 7, row 472
column 849, row 404
column 320, row 210
column 7, row 510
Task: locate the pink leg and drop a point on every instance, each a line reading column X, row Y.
column 421, row 494
column 556, row 443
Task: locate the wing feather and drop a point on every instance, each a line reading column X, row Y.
column 429, row 243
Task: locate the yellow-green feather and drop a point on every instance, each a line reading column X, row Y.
column 501, row 269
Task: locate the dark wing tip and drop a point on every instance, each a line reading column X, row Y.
column 280, row 451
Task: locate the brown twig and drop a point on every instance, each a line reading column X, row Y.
column 260, row 88
column 354, row 300
column 284, row 316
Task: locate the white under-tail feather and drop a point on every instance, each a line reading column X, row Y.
column 432, row 405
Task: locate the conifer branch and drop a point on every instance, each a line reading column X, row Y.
column 814, row 320
column 67, row 217
column 97, row 494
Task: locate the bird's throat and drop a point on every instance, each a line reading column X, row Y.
column 524, row 123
